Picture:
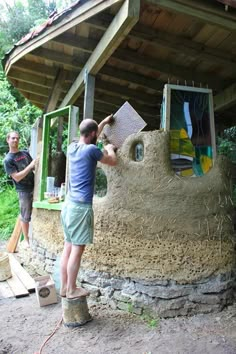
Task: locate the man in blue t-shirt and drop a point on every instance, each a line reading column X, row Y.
column 77, row 212
column 19, row 165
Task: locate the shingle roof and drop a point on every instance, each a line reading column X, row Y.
column 52, row 20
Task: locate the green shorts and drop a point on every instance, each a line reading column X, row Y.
column 77, row 222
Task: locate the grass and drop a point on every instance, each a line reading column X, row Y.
column 9, row 211
column 152, row 322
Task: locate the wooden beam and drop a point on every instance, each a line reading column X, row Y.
column 109, row 107
column 35, row 98
column 199, row 10
column 170, row 69
column 24, row 86
column 132, row 77
column 126, row 93
column 37, row 78
column 77, row 64
column 225, row 99
column 70, row 61
column 123, row 22
column 41, row 69
column 163, row 39
column 89, row 96
column 78, row 42
column 56, row 91
column 117, row 102
column 183, row 45
column 78, row 15
column 166, row 40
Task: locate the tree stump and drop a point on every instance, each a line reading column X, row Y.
column 75, row 311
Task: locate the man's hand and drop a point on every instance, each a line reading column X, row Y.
column 110, row 147
column 34, row 164
column 109, row 156
column 109, row 119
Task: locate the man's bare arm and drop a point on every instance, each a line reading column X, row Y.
column 109, row 155
column 108, row 120
column 18, row 176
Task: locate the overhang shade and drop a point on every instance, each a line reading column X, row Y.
column 132, row 48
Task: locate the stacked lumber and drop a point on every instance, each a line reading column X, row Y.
column 20, row 284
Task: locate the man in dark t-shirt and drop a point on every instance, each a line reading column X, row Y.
column 19, row 165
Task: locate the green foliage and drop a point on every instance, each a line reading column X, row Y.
column 8, row 212
column 227, row 147
column 151, row 321
column 16, row 115
column 100, row 183
column 227, row 143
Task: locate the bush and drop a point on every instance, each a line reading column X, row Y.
column 8, row 212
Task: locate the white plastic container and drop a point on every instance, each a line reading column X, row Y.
column 50, row 184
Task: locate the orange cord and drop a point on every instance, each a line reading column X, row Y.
column 47, row 339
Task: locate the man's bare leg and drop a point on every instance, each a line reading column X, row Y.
column 64, row 262
column 72, row 272
column 25, row 230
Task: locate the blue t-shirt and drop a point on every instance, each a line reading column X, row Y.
column 82, row 169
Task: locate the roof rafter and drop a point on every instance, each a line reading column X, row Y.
column 122, row 23
column 56, row 91
column 127, row 55
column 200, row 10
column 167, row 40
column 225, row 99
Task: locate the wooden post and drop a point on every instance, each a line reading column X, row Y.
column 89, row 96
column 75, row 311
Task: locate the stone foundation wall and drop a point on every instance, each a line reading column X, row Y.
column 162, row 298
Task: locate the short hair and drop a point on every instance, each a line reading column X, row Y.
column 12, row 132
column 88, row 126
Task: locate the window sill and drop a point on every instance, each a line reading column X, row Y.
column 44, row 204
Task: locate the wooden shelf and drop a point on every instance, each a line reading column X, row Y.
column 44, row 204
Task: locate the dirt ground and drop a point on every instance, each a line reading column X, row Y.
column 24, row 326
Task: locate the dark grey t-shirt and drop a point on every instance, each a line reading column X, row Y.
column 16, row 162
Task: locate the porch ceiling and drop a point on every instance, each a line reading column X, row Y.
column 184, row 41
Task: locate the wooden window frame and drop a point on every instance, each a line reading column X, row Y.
column 165, row 122
column 48, row 121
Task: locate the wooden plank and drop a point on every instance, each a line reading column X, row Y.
column 123, row 91
column 12, row 243
column 38, row 79
column 199, row 10
column 22, row 274
column 56, row 90
column 161, row 39
column 165, row 40
column 18, row 289
column 57, row 57
column 5, row 290
column 122, row 23
column 64, row 59
column 41, row 69
column 170, row 69
column 225, row 99
column 31, row 88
